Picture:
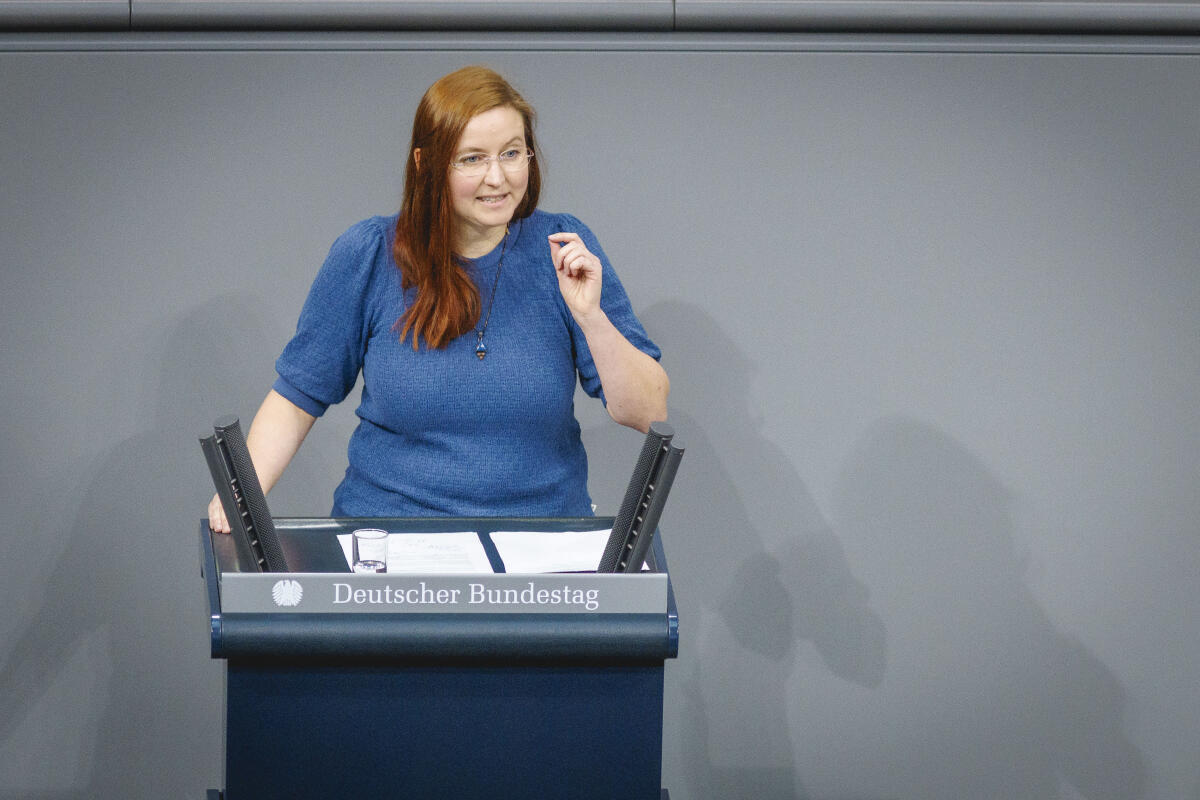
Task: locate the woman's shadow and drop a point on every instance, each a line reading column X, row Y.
column 126, row 590
column 985, row 698
column 756, row 568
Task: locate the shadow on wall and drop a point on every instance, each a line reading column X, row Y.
column 756, row 568
column 984, row 698
column 129, row 575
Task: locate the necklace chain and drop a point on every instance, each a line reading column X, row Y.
column 480, row 347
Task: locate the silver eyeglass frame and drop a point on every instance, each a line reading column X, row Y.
column 481, row 167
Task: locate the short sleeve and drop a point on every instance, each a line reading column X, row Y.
column 320, row 365
column 616, row 306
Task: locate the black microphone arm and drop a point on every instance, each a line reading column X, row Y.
column 633, row 529
column 242, row 496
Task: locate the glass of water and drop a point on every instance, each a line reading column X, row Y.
column 369, row 550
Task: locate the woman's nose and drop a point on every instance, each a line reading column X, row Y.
column 494, row 175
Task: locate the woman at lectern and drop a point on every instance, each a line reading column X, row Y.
column 470, row 315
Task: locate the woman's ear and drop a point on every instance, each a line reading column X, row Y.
column 417, row 158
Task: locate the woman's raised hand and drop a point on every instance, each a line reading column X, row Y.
column 579, row 274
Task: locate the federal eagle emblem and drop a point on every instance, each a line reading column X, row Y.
column 287, row 592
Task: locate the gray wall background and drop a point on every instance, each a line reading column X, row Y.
column 931, row 310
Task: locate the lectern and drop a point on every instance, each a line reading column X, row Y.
column 494, row 686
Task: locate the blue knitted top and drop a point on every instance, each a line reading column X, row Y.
column 441, row 432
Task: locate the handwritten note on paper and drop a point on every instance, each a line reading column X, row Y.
column 550, row 551
column 453, row 553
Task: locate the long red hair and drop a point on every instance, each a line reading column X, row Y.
column 447, row 304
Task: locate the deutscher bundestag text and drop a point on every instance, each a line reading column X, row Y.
column 475, row 594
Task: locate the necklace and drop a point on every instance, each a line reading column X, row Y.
column 481, row 348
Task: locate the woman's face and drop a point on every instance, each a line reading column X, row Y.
column 484, row 204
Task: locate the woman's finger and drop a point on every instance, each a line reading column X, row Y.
column 216, row 516
column 562, row 245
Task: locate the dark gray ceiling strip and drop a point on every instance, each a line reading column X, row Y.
column 401, row 15
column 85, row 15
column 936, row 16
column 1094, row 17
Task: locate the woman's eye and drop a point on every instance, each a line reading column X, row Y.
column 509, row 155
column 471, row 159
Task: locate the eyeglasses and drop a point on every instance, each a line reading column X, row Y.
column 474, row 165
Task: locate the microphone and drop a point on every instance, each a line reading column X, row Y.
column 633, row 529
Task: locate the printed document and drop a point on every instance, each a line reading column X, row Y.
column 455, row 553
column 550, row 551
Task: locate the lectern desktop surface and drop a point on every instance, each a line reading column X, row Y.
column 310, row 543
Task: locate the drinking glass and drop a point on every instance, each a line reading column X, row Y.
column 369, row 550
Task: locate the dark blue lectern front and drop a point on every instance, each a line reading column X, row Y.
column 457, row 686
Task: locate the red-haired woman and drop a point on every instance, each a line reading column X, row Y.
column 470, row 315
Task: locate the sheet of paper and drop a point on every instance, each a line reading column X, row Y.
column 454, row 553
column 550, row 551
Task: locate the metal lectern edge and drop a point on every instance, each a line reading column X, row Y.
column 209, row 571
column 660, row 564
column 470, row 638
